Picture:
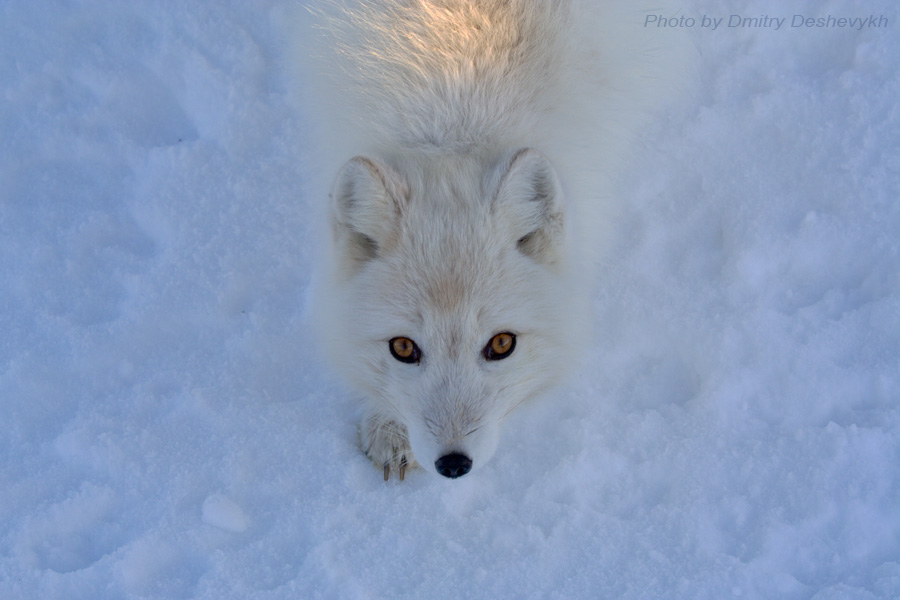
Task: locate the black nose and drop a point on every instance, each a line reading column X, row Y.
column 453, row 465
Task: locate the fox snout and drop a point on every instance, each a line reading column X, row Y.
column 453, row 465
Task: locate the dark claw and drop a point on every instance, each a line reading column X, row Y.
column 387, row 471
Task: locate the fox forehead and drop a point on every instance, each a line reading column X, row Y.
column 448, row 247
column 438, row 295
column 451, row 307
column 447, row 292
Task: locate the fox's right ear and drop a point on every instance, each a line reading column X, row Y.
column 366, row 208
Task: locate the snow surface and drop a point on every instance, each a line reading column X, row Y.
column 168, row 431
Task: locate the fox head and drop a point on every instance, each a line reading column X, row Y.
column 448, row 304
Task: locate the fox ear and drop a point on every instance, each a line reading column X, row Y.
column 529, row 199
column 366, row 208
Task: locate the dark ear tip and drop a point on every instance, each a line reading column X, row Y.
column 534, row 166
column 527, row 153
column 352, row 175
column 534, row 160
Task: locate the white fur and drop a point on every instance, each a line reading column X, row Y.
column 486, row 134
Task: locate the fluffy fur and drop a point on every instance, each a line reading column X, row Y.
column 486, row 133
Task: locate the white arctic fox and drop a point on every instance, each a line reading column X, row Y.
column 463, row 231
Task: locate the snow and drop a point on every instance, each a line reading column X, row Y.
column 223, row 513
column 169, row 431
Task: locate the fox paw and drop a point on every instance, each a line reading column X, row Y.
column 387, row 444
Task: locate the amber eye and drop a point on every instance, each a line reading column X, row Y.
column 500, row 346
column 405, row 350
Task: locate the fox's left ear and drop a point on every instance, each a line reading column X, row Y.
column 529, row 198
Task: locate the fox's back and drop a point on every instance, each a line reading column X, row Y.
column 452, row 75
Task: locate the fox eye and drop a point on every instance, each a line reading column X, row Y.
column 500, row 346
column 405, row 350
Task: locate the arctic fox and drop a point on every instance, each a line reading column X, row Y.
column 463, row 232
